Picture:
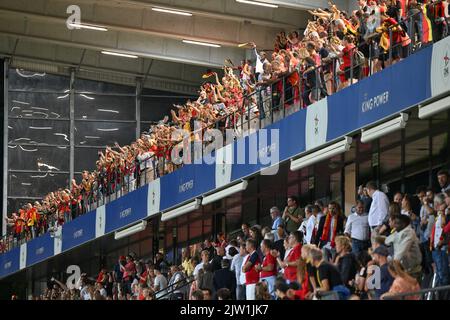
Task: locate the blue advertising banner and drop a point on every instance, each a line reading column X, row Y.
column 78, row 231
column 40, row 249
column 385, row 93
column 126, row 210
column 9, row 262
column 186, row 183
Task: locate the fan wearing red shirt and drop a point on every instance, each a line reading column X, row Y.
column 268, row 269
column 290, row 263
column 250, row 269
column 346, row 55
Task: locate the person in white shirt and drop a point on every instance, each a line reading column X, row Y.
column 261, row 59
column 236, row 266
column 205, row 259
column 357, row 228
column 379, row 207
column 160, row 284
column 309, row 224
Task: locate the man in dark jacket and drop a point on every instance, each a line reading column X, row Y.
column 330, row 226
column 225, row 278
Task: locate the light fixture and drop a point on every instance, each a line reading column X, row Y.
column 178, row 12
column 190, row 206
column 225, row 192
column 257, row 3
column 434, row 108
column 322, row 154
column 88, row 26
column 131, row 230
column 200, row 43
column 118, row 54
column 384, row 128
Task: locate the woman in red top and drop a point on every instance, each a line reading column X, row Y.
column 346, row 55
column 291, row 261
column 268, row 269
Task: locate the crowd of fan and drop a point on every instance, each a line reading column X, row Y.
column 380, row 250
column 316, row 65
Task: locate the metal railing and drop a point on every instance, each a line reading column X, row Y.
column 270, row 102
column 181, row 286
column 424, row 294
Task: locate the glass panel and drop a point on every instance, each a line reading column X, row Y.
column 182, row 234
column 195, row 229
column 15, row 204
column 104, row 107
column 415, row 125
column 440, row 145
column 92, row 133
column 155, row 108
column 439, row 118
column 390, row 160
column 416, row 151
column 38, row 131
column 335, row 186
column 365, row 172
column 85, row 158
column 35, row 184
column 37, row 81
column 207, row 227
column 363, row 147
column 89, row 86
column 39, row 105
column 391, row 138
column 38, row 158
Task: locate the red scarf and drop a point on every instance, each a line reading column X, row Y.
column 326, row 230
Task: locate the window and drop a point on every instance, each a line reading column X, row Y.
column 93, row 133
column 22, row 184
column 38, row 132
column 22, row 80
column 38, row 158
column 104, row 107
column 390, row 160
column 38, row 105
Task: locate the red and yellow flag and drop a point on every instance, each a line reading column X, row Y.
column 427, row 32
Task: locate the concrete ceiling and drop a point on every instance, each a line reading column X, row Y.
column 36, row 31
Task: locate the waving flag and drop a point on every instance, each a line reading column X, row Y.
column 427, row 32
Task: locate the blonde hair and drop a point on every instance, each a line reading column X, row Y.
column 344, row 242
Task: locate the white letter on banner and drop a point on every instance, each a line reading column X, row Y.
column 74, row 18
column 316, row 124
column 153, row 197
column 23, row 256
column 216, row 137
column 75, row 274
column 253, row 148
column 57, row 244
column 224, row 165
column 270, row 154
column 100, row 221
column 374, row 280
